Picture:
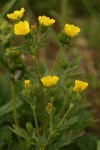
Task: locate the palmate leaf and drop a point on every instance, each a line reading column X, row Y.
column 68, row 123
column 70, row 71
column 64, row 135
column 72, row 128
column 64, row 139
column 26, row 134
column 24, row 48
column 20, row 131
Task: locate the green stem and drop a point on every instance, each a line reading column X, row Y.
column 48, row 139
column 50, row 122
column 14, row 103
column 43, row 35
column 37, row 69
column 35, row 119
column 65, row 115
column 42, row 113
column 50, row 130
column 42, row 99
column 56, row 60
column 15, row 112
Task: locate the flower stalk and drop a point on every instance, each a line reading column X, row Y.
column 65, row 115
column 15, row 112
column 56, row 60
column 50, row 134
column 42, row 96
column 37, row 68
column 35, row 119
column 14, row 103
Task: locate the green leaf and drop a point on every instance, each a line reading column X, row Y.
column 7, row 108
column 26, row 134
column 5, row 135
column 19, row 131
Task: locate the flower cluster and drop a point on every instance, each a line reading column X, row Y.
column 23, row 27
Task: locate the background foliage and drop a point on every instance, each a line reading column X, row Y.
column 84, row 51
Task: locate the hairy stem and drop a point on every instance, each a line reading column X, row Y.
column 14, row 103
column 56, row 60
column 50, row 134
column 42, row 113
column 15, row 112
column 50, row 122
column 37, row 69
column 42, row 96
column 65, row 115
column 35, row 119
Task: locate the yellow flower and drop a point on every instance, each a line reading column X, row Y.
column 49, row 81
column 16, row 14
column 27, row 83
column 80, row 86
column 45, row 21
column 71, row 30
column 21, row 28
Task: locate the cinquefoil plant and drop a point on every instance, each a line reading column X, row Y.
column 54, row 128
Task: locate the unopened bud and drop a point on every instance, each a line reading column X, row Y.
column 27, row 83
column 49, row 108
column 33, row 27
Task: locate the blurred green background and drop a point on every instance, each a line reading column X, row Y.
column 84, row 50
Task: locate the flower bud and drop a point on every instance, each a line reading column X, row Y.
column 27, row 83
column 49, row 108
